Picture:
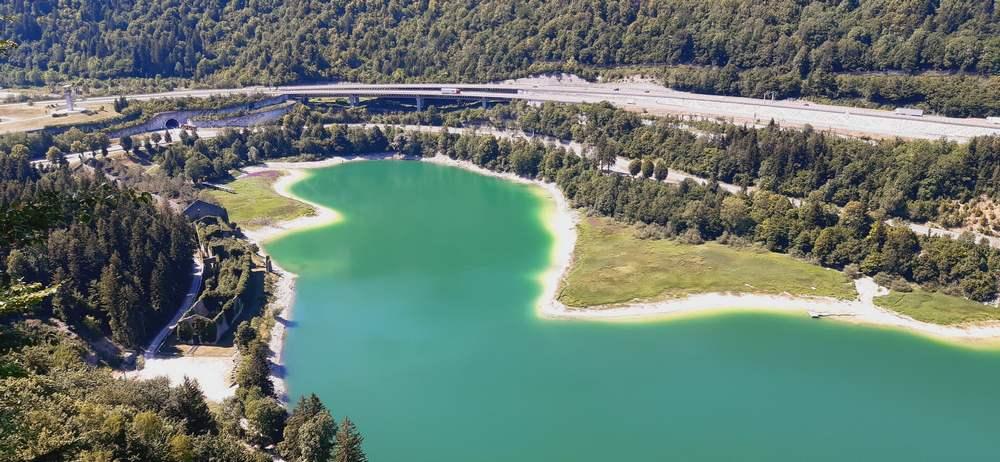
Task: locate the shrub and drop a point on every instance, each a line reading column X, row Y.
column 692, row 236
column 900, row 285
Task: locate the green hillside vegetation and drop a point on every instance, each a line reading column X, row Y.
column 612, row 265
column 254, row 203
column 84, row 259
column 938, row 308
column 119, row 264
column 783, row 48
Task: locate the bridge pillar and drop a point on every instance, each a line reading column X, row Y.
column 420, row 103
column 353, row 100
column 484, row 103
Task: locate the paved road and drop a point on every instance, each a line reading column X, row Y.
column 646, row 97
column 116, row 148
column 197, row 271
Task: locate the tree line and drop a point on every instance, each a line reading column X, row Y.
column 784, row 48
column 914, row 180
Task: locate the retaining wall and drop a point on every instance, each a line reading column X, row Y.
column 159, row 121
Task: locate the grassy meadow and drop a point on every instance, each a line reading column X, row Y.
column 938, row 308
column 254, row 203
column 612, row 266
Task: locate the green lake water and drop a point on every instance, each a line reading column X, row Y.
column 415, row 317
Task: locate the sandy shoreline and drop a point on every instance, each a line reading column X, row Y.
column 859, row 311
column 281, row 309
column 322, row 216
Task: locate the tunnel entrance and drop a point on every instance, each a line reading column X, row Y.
column 172, row 123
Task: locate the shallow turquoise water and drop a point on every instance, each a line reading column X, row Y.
column 415, row 317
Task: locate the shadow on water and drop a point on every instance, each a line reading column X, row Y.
column 288, row 323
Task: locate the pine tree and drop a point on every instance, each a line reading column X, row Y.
column 266, row 418
column 316, row 438
column 159, row 290
column 108, row 293
column 187, row 404
column 660, row 170
column 244, row 336
column 348, row 446
column 255, row 371
column 309, row 432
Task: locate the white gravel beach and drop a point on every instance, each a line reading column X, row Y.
column 212, row 373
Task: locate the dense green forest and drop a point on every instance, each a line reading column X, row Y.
column 784, row 48
column 120, row 263
column 82, row 259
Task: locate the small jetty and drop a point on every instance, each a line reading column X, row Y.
column 826, row 314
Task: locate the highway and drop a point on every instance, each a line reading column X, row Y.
column 641, row 97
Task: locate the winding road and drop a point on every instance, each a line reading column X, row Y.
column 197, row 271
column 641, row 97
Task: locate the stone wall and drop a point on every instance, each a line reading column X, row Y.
column 159, row 121
column 247, row 120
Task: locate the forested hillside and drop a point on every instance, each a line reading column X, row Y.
column 120, row 263
column 83, row 258
column 782, row 47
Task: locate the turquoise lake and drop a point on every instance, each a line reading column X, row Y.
column 415, row 317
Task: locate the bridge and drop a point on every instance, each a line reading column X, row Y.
column 646, row 98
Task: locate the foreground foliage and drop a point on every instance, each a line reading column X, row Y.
column 55, row 406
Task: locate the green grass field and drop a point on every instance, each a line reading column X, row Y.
column 612, row 266
column 256, row 204
column 938, row 308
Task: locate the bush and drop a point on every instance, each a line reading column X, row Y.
column 647, row 168
column 692, row 236
column 660, row 170
column 91, row 325
column 634, row 167
column 900, row 285
column 884, row 279
column 650, row 231
column 852, row 271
